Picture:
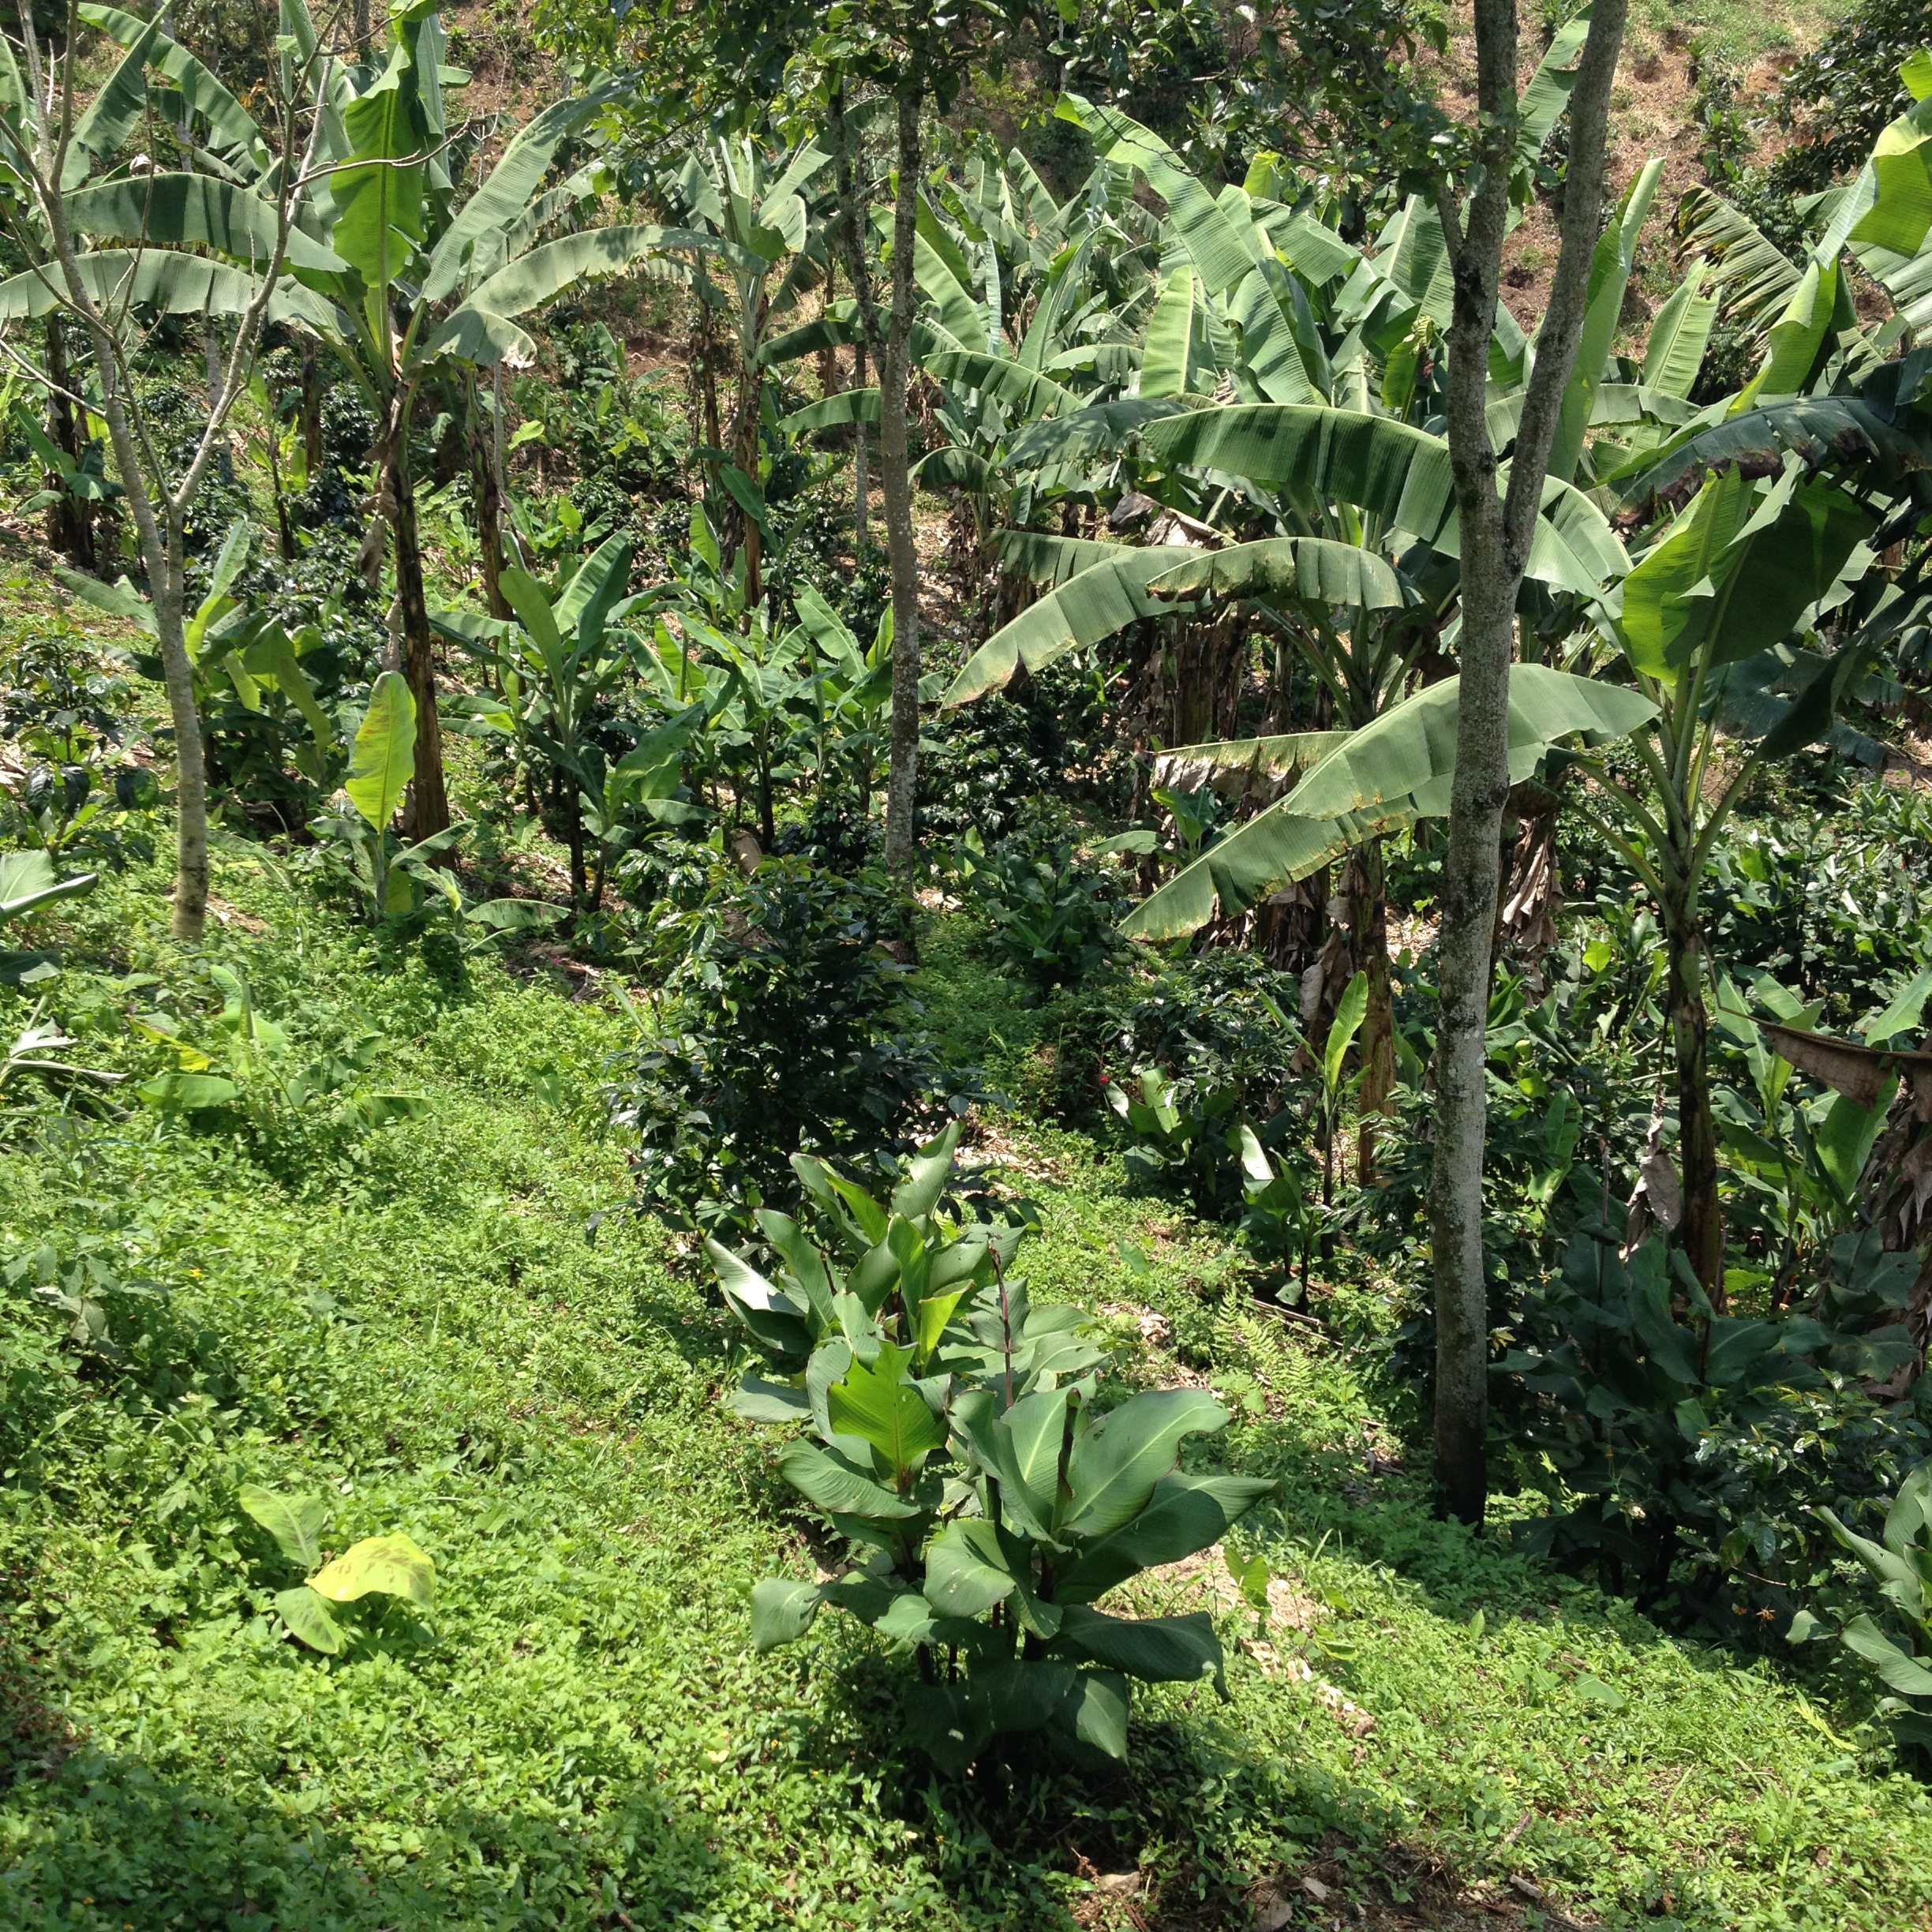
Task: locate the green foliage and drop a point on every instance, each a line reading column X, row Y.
column 788, row 1026
column 389, row 1567
column 1051, row 912
column 923, row 1352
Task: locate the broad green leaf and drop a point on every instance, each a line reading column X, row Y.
column 876, row 1403
column 1002, row 378
column 1387, row 469
column 771, row 1316
column 594, row 590
column 1119, row 1459
column 1315, row 569
column 531, row 279
column 966, row 1570
column 382, row 761
column 1169, row 334
column 756, row 1400
column 1900, row 1671
column 308, row 1618
column 1548, row 92
column 960, row 315
column 163, row 279
column 177, row 211
column 1752, row 278
column 229, row 124
column 1169, row 1649
column 782, row 1610
column 1900, row 168
column 388, row 1566
column 187, row 1093
column 1185, row 1513
column 113, row 114
column 1674, row 353
column 833, row 412
column 1348, row 1015
column 295, row 1522
column 927, row 1173
column 837, row 1487
column 28, row 880
column 1799, row 336
column 471, row 246
column 1391, row 772
column 1095, row 1710
column 1212, row 244
column 511, row 916
column 1105, row 597
column 378, row 194
column 1615, row 255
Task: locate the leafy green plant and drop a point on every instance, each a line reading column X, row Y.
column 389, row 1567
column 27, row 881
column 957, row 1438
column 1052, row 914
column 789, row 1024
column 1177, row 1131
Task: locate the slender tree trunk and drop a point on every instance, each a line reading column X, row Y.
column 862, row 483
column 70, row 525
column 426, row 811
column 489, row 503
column 313, row 452
column 1368, row 929
column 1495, row 538
column 890, row 354
column 1702, row 1227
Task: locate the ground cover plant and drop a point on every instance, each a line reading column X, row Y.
column 1195, row 1197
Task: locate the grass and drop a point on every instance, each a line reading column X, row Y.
column 426, row 1324
column 1739, row 33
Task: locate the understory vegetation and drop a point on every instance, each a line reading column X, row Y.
column 738, row 873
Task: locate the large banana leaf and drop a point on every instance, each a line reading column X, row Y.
column 1610, row 272
column 1383, row 467
column 1736, row 572
column 1573, row 547
column 1211, row 242
column 1843, row 432
column 959, row 314
column 1548, row 92
column 172, row 211
column 1279, row 340
column 1099, row 429
column 1043, row 559
column 1899, row 217
column 230, row 125
column 1000, row 377
column 1675, row 352
column 158, row 279
column 379, row 196
column 1106, row 596
column 1164, row 356
column 1315, row 569
column 833, row 412
column 1753, row 279
column 113, row 114
column 1388, row 774
column 472, row 246
column 533, row 279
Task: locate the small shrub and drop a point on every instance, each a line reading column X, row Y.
column 789, row 1023
column 1053, row 914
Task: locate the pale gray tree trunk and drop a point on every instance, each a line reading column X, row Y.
column 1495, row 538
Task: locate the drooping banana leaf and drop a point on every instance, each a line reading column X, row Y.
column 159, row 279
column 172, row 211
column 833, row 412
column 1385, row 468
column 1548, row 92
column 1099, row 429
column 1211, row 242
column 1388, row 775
column 230, row 125
column 1105, row 597
column 1826, row 431
column 1002, row 378
column 1317, row 569
column 1753, row 279
column 472, row 246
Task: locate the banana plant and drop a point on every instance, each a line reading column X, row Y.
column 952, row 1434
column 27, row 881
column 390, row 1568
column 1712, row 621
